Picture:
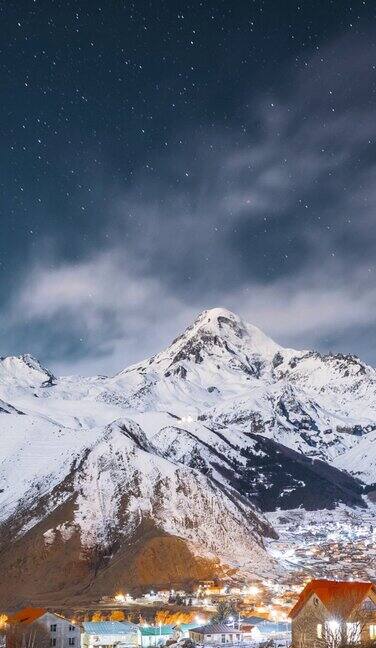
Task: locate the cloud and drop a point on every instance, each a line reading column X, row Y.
column 117, row 318
column 273, row 218
column 112, row 315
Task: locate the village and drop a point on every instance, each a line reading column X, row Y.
column 262, row 614
column 326, row 543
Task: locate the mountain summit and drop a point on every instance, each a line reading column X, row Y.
column 171, row 470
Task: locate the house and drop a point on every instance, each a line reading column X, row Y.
column 258, row 630
column 334, row 612
column 105, row 634
column 248, row 624
column 154, row 635
column 277, row 631
column 62, row 632
column 181, row 630
column 216, row 633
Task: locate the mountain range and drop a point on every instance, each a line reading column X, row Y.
column 165, row 473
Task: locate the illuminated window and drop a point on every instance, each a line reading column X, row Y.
column 372, row 631
column 319, row 630
column 353, row 632
column 333, row 631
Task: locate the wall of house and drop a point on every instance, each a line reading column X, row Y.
column 147, row 641
column 232, row 637
column 304, row 625
column 90, row 640
column 65, row 636
column 368, row 609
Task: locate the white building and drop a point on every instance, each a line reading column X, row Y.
column 106, row 634
column 151, row 636
column 63, row 633
column 216, row 633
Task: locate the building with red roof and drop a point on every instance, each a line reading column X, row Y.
column 44, row 628
column 334, row 612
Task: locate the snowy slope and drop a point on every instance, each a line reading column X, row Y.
column 197, row 439
column 124, row 479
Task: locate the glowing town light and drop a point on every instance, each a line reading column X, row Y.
column 253, row 590
column 333, row 626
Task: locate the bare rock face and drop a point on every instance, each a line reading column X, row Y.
column 161, row 474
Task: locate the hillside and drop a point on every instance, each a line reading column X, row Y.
column 167, row 471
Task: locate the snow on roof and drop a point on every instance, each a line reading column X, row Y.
column 185, row 626
column 109, row 628
column 216, row 628
column 252, row 620
column 147, row 631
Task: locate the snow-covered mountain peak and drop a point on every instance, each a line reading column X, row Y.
column 220, row 335
column 211, row 358
column 229, row 327
column 25, row 371
column 134, row 435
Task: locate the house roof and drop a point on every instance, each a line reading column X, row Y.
column 252, row 620
column 156, row 631
column 27, row 615
column 337, row 596
column 274, row 626
column 185, row 626
column 109, row 628
column 216, row 628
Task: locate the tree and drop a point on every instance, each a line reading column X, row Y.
column 19, row 635
column 97, row 616
column 224, row 611
column 117, row 615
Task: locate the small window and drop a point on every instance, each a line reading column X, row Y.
column 53, row 642
column 372, row 631
column 319, row 630
column 53, row 627
column 71, row 641
column 72, row 628
column 223, row 638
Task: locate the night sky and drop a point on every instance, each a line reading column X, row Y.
column 163, row 157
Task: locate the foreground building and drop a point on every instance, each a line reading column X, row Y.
column 62, row 633
column 181, row 630
column 258, row 630
column 106, row 634
column 216, row 633
column 154, row 635
column 333, row 613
